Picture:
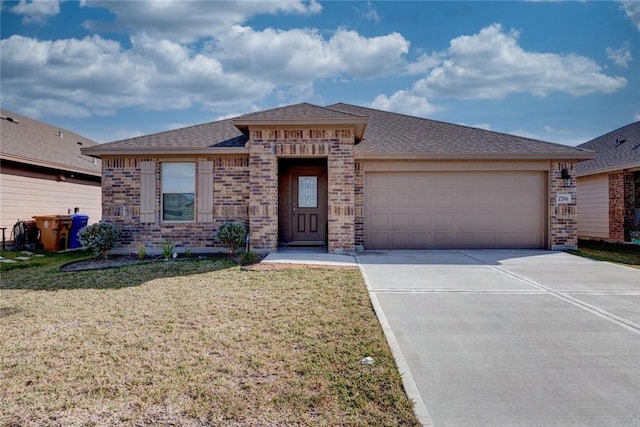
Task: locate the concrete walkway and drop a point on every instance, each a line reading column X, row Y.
column 309, row 256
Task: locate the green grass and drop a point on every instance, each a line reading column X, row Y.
column 194, row 342
column 612, row 252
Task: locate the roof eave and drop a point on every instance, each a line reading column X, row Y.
column 49, row 165
column 578, row 155
column 99, row 152
column 632, row 167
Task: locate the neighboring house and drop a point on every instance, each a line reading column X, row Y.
column 42, row 171
column 345, row 176
column 610, row 185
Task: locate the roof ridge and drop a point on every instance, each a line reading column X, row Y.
column 18, row 118
column 461, row 125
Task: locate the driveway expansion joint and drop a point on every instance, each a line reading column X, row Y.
column 565, row 296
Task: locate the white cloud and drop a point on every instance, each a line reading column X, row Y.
column 404, row 102
column 99, row 76
column 299, row 56
column 491, row 65
column 632, row 11
column 36, row 11
column 188, row 21
column 424, row 63
column 636, row 116
column 370, row 14
column 621, row 56
column 96, row 76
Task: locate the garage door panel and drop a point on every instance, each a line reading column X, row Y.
column 442, row 221
column 379, row 201
column 377, row 182
column 400, row 240
column 401, row 221
column 421, row 201
column 421, row 240
column 465, row 200
column 454, row 210
column 486, row 239
column 421, row 221
column 401, row 201
column 486, row 220
column 379, row 221
column 465, row 221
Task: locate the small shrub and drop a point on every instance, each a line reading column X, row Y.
column 247, row 258
column 99, row 238
column 232, row 234
column 187, row 253
column 167, row 249
column 142, row 253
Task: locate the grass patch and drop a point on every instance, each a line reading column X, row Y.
column 197, row 342
column 612, row 252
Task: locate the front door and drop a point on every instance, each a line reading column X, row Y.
column 308, row 206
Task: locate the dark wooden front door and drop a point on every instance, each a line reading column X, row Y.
column 308, row 210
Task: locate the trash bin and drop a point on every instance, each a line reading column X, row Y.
column 54, row 231
column 78, row 221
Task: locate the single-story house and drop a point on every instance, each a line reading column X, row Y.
column 43, row 171
column 609, row 184
column 343, row 176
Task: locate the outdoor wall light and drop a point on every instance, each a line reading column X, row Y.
column 564, row 174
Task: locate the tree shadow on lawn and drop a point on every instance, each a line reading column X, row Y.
column 109, row 274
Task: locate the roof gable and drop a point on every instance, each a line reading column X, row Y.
column 618, row 149
column 303, row 115
column 32, row 142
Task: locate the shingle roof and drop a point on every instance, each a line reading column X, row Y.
column 220, row 134
column 32, row 142
column 299, row 111
column 392, row 133
column 612, row 152
column 386, row 134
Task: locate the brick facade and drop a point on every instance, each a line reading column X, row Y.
column 245, row 189
column 266, row 145
column 622, row 203
column 563, row 222
column 121, row 196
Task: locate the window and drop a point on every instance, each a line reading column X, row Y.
column 178, row 191
column 308, row 192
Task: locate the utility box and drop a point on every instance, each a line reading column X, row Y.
column 54, row 231
column 78, row 222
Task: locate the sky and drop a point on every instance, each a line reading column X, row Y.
column 558, row 71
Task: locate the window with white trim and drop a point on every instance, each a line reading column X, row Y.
column 178, row 191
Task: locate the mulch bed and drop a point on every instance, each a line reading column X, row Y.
column 101, row 263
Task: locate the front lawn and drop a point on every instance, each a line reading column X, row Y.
column 619, row 253
column 193, row 342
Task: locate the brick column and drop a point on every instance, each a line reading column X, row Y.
column 263, row 195
column 359, row 205
column 563, row 222
column 616, row 206
column 341, row 176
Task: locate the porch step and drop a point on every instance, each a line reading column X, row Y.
column 306, row 243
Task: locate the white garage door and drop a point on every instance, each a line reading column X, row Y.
column 442, row 210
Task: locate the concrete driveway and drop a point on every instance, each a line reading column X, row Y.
column 511, row 338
